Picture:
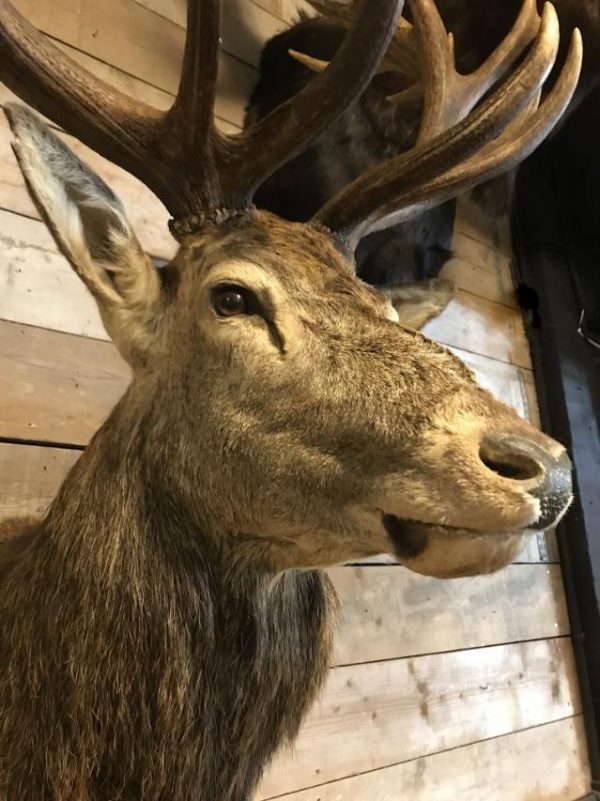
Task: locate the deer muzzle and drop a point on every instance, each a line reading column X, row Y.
column 543, row 472
column 492, row 484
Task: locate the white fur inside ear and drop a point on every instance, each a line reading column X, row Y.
column 64, row 188
column 90, row 226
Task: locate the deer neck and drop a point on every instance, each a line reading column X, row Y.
column 183, row 654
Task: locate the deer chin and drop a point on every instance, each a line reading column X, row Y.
column 447, row 552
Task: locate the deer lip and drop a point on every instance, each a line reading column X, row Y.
column 410, row 537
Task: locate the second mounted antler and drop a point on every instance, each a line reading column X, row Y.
column 459, row 144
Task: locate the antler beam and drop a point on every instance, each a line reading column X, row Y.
column 41, row 75
column 397, row 188
column 198, row 173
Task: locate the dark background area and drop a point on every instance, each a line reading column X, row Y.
column 556, row 233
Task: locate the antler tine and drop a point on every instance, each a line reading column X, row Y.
column 450, row 96
column 402, row 53
column 199, row 174
column 437, row 68
column 471, row 88
column 191, row 119
column 514, row 145
column 257, row 152
column 366, row 202
column 39, row 73
column 148, row 143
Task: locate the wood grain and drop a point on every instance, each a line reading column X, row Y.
column 246, row 25
column 492, row 281
column 547, row 763
column 383, row 713
column 128, row 36
column 472, row 221
column 131, row 86
column 504, row 381
column 37, row 285
column 56, row 388
column 510, row 383
column 292, row 8
column 480, row 326
column 389, row 612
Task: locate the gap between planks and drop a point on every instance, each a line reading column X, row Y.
column 43, row 369
column 379, row 714
column 504, row 768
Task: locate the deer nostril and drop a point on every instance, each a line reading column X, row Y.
column 501, row 457
column 544, row 469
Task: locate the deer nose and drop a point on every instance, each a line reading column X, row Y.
column 545, row 473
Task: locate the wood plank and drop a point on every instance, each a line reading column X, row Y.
column 548, row 763
column 274, row 7
column 245, row 26
column 134, row 87
column 54, row 387
column 30, row 477
column 470, row 220
column 37, row 285
column 483, row 327
column 292, row 8
column 470, row 323
column 147, row 214
column 512, row 384
column 484, row 254
column 382, row 713
column 133, row 39
column 52, row 421
column 491, row 279
column 390, row 613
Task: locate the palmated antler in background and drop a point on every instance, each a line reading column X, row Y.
column 204, row 176
column 460, row 146
column 195, row 170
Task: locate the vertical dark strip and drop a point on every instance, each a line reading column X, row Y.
column 556, row 225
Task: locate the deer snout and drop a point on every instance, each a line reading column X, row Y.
column 543, row 469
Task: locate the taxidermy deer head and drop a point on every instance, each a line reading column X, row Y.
column 291, row 412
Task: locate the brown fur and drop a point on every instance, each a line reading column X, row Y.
column 162, row 627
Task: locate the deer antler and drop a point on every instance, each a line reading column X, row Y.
column 450, row 96
column 449, row 160
column 403, row 50
column 200, row 174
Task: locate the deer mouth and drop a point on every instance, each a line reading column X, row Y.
column 450, row 552
column 408, row 538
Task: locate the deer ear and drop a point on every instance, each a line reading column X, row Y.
column 90, row 227
column 418, row 303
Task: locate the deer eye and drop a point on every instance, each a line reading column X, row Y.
column 230, row 301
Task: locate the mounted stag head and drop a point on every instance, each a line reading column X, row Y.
column 335, row 419
column 278, row 417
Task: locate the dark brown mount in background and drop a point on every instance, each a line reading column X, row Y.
column 556, row 230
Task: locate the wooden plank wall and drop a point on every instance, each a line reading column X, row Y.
column 438, row 690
